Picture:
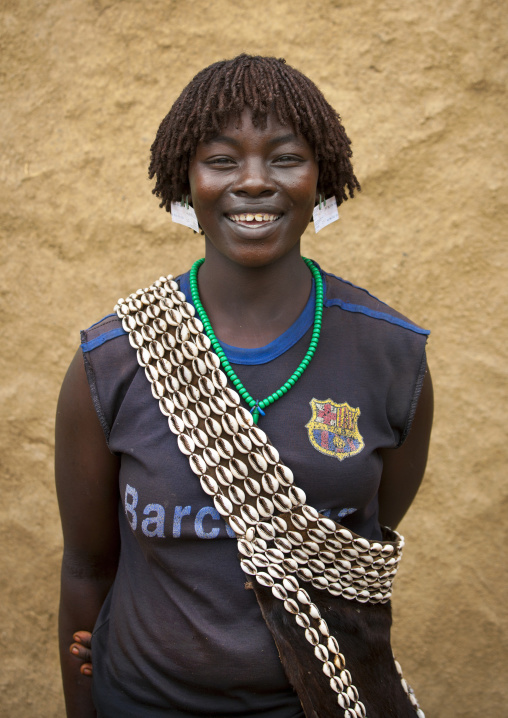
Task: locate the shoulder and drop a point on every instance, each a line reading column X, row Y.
column 355, row 300
column 108, row 328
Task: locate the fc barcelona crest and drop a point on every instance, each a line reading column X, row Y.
column 333, row 429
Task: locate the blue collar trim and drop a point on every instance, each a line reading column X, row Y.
column 263, row 355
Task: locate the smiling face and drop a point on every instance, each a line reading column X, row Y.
column 254, row 190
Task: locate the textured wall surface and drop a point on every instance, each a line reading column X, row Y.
column 421, row 89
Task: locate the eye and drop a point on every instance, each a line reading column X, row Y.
column 288, row 160
column 220, row 161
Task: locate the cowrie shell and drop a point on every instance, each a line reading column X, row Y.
column 182, row 333
column 305, row 574
column 143, row 356
column 212, row 360
column 331, row 574
column 329, row 669
column 320, row 582
column 303, row 597
column 312, row 636
column 283, row 474
column 302, row 620
column 199, row 367
column 202, row 341
column 257, row 436
column 327, row 525
column 344, row 535
column 291, row 606
column 156, row 349
column 345, row 677
column 192, row 393
column 148, row 334
column 160, row 325
column 238, row 468
column 316, row 566
column 166, row 406
column 350, row 552
column 187, row 310
column 333, row 545
column 209, row 485
column 279, row 592
column 335, row 589
column 219, row 379
column 157, row 390
column 344, row 702
column 236, row 495
column 172, row 383
column 290, row 565
column 252, row 487
column 279, row 524
column 323, row 628
column 265, row 531
column 283, row 544
column 168, row 341
column 213, row 428
column 185, row 444
column 274, row 555
column 270, row 484
column 237, row 524
column 173, row 317
column 257, row 462
column 264, row 506
column 387, row 550
column 224, row 475
column 259, row 544
column 300, row 556
column 202, row 410
column 217, row 405
column 295, row 537
column 349, row 592
column 153, row 310
column 229, row 424
column 151, row 373
column 361, row 544
column 224, row 448
column 291, row 584
column 276, row 571
column 316, row 535
column 175, row 424
column 298, row 521
column 176, row 357
column 297, row 496
column 249, row 514
column 211, row 456
column 242, row 443
column 180, row 400
column 245, row 548
column 243, row 417
column 223, row 505
column 310, row 512
column 205, row 386
column 189, row 349
column 141, row 318
column 271, row 454
column 321, row 652
column 282, row 503
column 128, row 323
column 336, row 684
column 197, row 464
column 230, row 396
column 190, row 418
column 265, row 579
column 200, row 438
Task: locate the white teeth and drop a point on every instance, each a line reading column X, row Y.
column 253, row 217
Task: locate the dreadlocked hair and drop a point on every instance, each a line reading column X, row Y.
column 220, row 93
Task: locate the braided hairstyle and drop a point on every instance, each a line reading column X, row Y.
column 266, row 85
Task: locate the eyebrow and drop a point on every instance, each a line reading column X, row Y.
column 281, row 139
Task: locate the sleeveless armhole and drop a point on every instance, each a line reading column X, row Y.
column 414, row 401
column 92, row 383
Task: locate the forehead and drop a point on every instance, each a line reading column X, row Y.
column 245, row 127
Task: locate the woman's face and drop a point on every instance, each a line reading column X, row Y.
column 254, row 190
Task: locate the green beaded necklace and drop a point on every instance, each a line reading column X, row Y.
column 258, row 406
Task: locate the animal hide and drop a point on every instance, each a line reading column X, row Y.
column 363, row 633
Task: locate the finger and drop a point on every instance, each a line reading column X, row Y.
column 84, row 637
column 81, row 652
column 86, row 669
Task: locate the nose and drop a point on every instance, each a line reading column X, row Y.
column 254, row 179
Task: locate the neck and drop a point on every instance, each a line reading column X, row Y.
column 252, row 306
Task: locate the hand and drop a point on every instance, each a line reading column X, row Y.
column 82, row 649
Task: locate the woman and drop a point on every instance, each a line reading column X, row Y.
column 159, row 467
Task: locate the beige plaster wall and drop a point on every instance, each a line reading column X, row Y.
column 420, row 86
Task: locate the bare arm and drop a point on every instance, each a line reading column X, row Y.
column 87, row 487
column 403, row 468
